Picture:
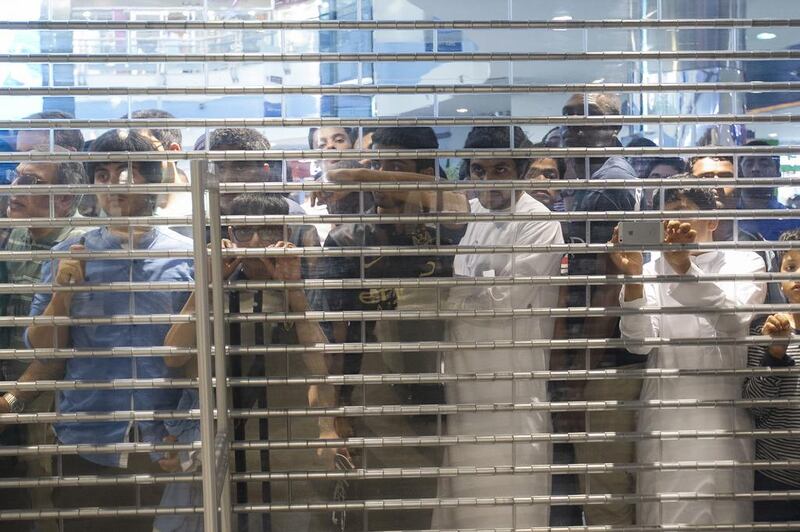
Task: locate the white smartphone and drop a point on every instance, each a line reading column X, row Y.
column 642, row 232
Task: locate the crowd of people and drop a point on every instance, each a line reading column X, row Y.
column 426, row 297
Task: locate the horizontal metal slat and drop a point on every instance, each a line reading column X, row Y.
column 523, row 88
column 557, row 120
column 371, row 57
column 396, row 24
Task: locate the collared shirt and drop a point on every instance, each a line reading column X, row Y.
column 24, row 272
column 106, row 336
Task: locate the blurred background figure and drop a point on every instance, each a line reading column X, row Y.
column 607, row 295
column 661, row 168
column 550, row 169
column 168, row 139
column 763, row 198
column 641, row 163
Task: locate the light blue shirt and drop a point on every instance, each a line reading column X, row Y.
column 105, row 304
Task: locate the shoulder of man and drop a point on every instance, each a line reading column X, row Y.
column 344, row 235
column 294, row 207
column 607, row 200
column 75, row 236
column 743, row 260
column 73, row 233
column 13, row 237
column 167, row 238
column 610, row 199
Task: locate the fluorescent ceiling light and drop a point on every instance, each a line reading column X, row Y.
column 765, row 36
column 773, row 135
column 462, row 110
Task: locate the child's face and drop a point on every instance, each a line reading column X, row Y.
column 790, row 264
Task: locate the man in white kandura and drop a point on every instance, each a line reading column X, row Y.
column 717, row 297
column 470, row 361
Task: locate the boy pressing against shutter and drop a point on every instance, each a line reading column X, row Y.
column 783, row 352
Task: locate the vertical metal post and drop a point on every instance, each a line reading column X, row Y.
column 220, row 359
column 207, row 432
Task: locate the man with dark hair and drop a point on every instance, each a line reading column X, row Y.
column 22, row 239
column 171, row 139
column 665, row 167
column 251, row 171
column 168, row 139
column 244, row 171
column 253, row 334
column 334, row 202
column 497, row 137
column 763, row 197
column 711, row 166
column 724, row 319
column 70, row 139
column 614, row 167
column 105, row 172
column 549, row 168
column 501, row 298
column 640, row 163
column 100, row 305
column 407, row 235
column 661, row 168
column 407, row 138
column 714, row 166
column 598, row 232
column 331, row 138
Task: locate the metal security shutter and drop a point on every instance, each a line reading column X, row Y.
column 486, row 400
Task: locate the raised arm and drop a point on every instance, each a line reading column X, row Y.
column 69, row 272
column 425, row 200
column 308, row 333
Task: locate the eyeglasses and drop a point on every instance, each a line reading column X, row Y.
column 265, row 233
column 27, row 179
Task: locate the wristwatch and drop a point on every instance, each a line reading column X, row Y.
column 14, row 403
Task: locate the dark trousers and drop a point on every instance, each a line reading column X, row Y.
column 129, row 495
column 773, row 511
column 14, row 467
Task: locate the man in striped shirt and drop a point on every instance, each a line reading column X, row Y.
column 783, row 352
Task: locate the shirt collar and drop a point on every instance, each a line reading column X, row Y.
column 51, row 239
column 111, row 241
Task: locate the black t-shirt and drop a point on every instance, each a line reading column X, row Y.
column 380, row 267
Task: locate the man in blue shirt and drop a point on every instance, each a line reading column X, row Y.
column 98, row 304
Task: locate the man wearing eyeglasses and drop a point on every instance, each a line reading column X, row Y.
column 260, row 332
column 21, row 239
